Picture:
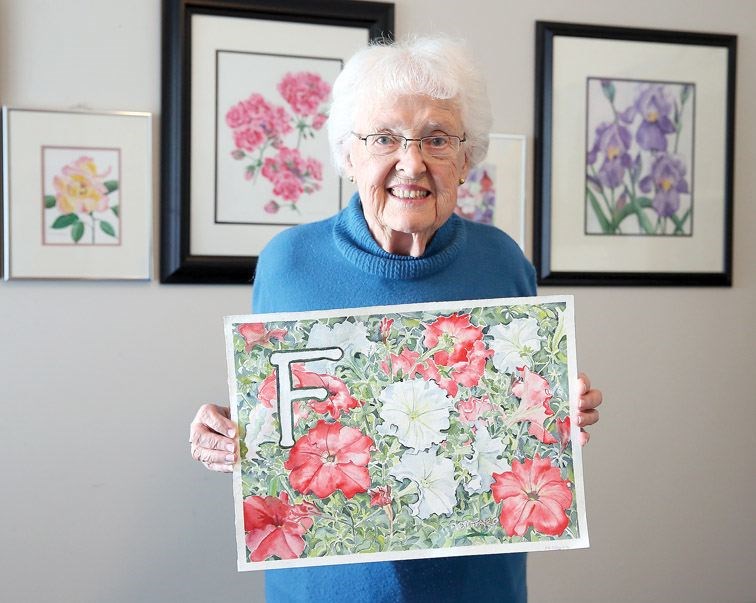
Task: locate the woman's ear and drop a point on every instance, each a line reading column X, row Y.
column 465, row 169
column 348, row 169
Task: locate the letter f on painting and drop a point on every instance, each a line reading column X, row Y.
column 287, row 393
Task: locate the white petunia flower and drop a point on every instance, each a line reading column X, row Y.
column 260, row 429
column 351, row 337
column 484, row 462
column 416, row 412
column 514, row 344
column 434, row 476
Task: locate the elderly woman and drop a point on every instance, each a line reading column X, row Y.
column 407, row 123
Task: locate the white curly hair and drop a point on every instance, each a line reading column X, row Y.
column 439, row 67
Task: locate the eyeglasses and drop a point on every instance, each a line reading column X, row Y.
column 440, row 146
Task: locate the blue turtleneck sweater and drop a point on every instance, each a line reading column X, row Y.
column 336, row 263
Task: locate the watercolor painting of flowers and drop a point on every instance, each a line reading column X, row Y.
column 639, row 165
column 477, row 196
column 272, row 147
column 81, row 201
column 412, row 429
column 494, row 190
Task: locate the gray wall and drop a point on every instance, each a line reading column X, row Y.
column 98, row 381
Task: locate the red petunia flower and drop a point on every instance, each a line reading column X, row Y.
column 339, row 399
column 533, row 494
column 430, row 371
column 274, row 527
column 467, row 372
column 268, row 391
column 380, row 496
column 254, row 333
column 456, row 334
column 330, row 457
column 534, row 393
column 405, row 362
column 471, row 409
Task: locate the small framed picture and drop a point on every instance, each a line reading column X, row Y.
column 634, row 156
column 494, row 192
column 77, row 194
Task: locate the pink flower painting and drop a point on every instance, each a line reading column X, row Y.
column 82, row 200
column 271, row 139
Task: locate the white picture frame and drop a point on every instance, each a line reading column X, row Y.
column 77, row 191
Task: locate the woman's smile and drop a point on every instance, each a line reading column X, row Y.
column 407, row 192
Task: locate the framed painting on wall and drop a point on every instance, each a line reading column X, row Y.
column 634, row 156
column 77, row 194
column 494, row 192
column 245, row 152
column 405, row 432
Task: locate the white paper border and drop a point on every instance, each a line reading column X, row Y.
column 437, row 308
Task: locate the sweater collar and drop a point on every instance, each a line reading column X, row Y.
column 355, row 242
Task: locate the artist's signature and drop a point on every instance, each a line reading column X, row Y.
column 479, row 525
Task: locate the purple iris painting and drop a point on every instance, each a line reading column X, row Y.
column 640, row 157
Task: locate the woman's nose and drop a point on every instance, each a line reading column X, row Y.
column 411, row 161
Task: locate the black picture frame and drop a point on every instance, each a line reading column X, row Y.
column 567, row 53
column 177, row 262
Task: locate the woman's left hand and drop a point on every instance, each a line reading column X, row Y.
column 588, row 400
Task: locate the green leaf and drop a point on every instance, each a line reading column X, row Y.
column 49, row 201
column 77, row 231
column 606, row 227
column 115, row 209
column 559, row 334
column 111, row 185
column 65, row 221
column 680, row 222
column 684, row 93
column 274, row 487
column 107, row 228
column 638, row 205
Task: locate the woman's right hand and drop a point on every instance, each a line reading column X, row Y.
column 211, row 436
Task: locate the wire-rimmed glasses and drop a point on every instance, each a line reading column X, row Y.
column 440, row 146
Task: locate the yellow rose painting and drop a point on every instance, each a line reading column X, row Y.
column 81, row 201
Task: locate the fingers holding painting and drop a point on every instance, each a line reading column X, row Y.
column 588, row 401
column 211, row 438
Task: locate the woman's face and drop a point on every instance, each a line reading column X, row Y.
column 408, row 195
